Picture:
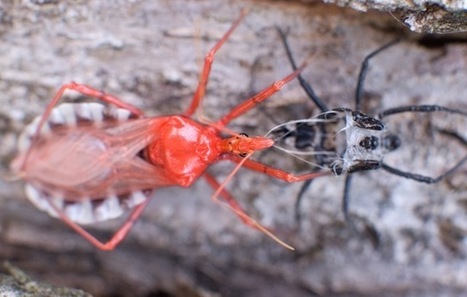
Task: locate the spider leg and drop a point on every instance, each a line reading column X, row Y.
column 364, row 71
column 424, row 178
column 298, row 201
column 425, row 109
column 305, row 85
column 420, row 108
column 346, row 197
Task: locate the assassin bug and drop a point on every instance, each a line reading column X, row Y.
column 345, row 141
column 86, row 162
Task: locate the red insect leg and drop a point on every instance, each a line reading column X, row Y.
column 238, row 210
column 229, row 199
column 87, row 91
column 271, row 171
column 118, row 236
column 208, row 60
column 256, row 99
column 256, row 166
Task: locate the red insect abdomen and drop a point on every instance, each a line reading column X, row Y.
column 184, row 149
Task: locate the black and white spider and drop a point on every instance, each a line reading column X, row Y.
column 346, row 140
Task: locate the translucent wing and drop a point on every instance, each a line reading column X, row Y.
column 86, row 161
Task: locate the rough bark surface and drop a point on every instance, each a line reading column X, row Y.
column 407, row 238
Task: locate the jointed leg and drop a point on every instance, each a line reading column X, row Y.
column 238, row 210
column 203, row 79
column 420, row 108
column 423, row 178
column 256, row 99
column 90, row 92
column 364, row 70
column 271, row 171
column 119, row 235
column 298, row 201
column 318, row 102
column 346, row 197
column 425, row 109
column 305, row 85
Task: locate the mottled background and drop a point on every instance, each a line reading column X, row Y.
column 408, row 239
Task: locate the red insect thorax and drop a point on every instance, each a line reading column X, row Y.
column 184, row 148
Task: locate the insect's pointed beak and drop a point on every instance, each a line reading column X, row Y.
column 242, row 144
column 260, row 143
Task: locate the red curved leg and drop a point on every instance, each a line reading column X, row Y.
column 203, row 79
column 239, row 211
column 258, row 98
column 271, row 171
column 118, row 236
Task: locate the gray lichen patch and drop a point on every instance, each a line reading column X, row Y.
column 434, row 16
column 19, row 284
column 388, row 5
column 435, row 19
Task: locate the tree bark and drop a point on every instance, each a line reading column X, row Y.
column 405, row 239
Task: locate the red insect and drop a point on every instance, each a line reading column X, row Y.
column 86, row 162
